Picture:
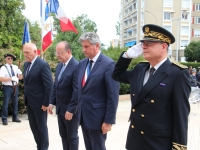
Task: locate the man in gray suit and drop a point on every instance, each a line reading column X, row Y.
column 37, row 89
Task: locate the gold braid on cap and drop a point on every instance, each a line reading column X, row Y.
column 176, row 146
column 157, row 35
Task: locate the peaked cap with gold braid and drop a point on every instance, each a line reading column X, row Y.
column 156, row 33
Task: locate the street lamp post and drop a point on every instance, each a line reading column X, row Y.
column 152, row 14
column 177, row 32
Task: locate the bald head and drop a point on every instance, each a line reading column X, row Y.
column 30, row 51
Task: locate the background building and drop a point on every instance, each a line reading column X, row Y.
column 181, row 17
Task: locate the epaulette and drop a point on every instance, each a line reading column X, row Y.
column 176, row 146
column 179, row 65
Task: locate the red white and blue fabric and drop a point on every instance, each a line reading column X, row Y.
column 65, row 22
column 87, row 72
column 47, row 36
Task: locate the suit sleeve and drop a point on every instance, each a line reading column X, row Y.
column 120, row 72
column 112, row 88
column 72, row 107
column 181, row 109
column 47, row 82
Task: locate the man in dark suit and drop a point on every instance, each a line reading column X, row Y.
column 65, row 96
column 159, row 93
column 98, row 93
column 37, row 89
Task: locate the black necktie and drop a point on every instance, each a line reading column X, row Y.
column 12, row 72
column 28, row 68
column 90, row 65
column 151, row 71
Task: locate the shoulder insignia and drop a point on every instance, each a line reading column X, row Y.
column 179, row 65
column 144, row 61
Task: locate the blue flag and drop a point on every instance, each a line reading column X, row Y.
column 26, row 36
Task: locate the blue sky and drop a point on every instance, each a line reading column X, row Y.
column 105, row 13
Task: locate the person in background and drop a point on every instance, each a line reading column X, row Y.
column 193, row 80
column 198, row 77
column 159, row 92
column 38, row 84
column 65, row 96
column 97, row 93
column 10, row 75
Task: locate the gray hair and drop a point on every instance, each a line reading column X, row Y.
column 92, row 37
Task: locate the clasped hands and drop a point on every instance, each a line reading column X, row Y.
column 134, row 52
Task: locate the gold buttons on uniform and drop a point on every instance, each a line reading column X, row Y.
column 142, row 132
column 152, row 101
column 132, row 126
column 133, row 94
column 133, row 110
column 142, row 115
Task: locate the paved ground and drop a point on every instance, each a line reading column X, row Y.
column 18, row 136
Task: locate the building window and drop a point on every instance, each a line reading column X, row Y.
column 196, row 33
column 167, row 3
column 167, row 16
column 185, row 3
column 168, row 28
column 184, row 43
column 197, row 20
column 184, row 30
column 197, row 7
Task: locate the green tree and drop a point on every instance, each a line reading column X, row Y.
column 192, row 51
column 117, row 27
column 11, row 25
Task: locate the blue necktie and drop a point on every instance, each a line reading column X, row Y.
column 27, row 69
column 90, row 66
column 61, row 72
column 12, row 72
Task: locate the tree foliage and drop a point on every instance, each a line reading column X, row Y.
column 192, row 51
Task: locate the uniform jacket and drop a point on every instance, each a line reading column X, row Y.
column 160, row 108
column 64, row 94
column 98, row 99
column 37, row 84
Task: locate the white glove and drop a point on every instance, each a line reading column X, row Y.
column 15, row 79
column 19, row 71
column 135, row 51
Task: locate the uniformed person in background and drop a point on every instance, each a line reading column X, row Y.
column 10, row 75
column 159, row 93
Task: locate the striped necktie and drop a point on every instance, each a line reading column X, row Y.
column 87, row 72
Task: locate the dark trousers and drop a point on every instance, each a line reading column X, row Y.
column 8, row 95
column 94, row 139
column 68, row 132
column 38, row 124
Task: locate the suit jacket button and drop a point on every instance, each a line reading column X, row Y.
column 152, row 101
column 132, row 126
column 142, row 132
column 133, row 94
column 133, row 110
column 142, row 115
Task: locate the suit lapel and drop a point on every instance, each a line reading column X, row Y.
column 32, row 68
column 159, row 75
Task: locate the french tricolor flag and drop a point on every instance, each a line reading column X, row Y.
column 47, row 36
column 65, row 23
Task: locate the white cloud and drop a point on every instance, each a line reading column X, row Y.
column 105, row 13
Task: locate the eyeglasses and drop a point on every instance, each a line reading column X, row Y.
column 149, row 43
column 58, row 53
column 10, row 58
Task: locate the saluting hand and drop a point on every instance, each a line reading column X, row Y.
column 106, row 127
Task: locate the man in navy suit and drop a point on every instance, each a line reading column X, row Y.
column 159, row 91
column 98, row 93
column 65, row 96
column 37, row 89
